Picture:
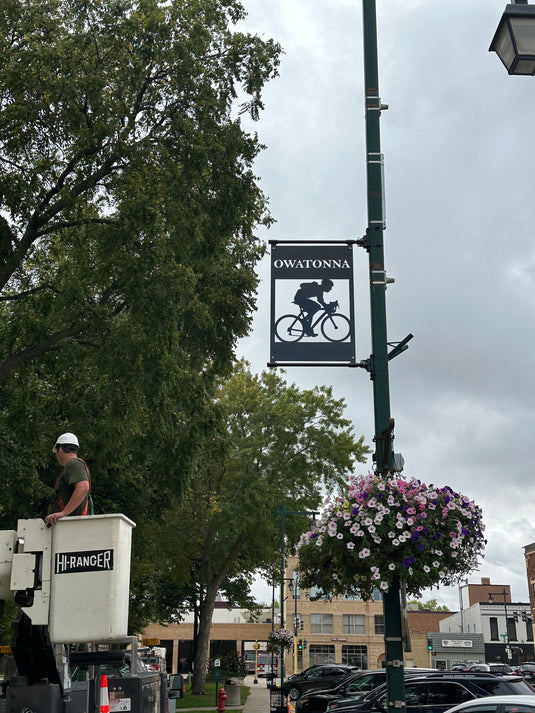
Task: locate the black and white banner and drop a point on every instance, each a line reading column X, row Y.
column 312, row 302
column 88, row 561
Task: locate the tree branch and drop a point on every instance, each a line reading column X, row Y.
column 48, row 344
column 62, row 225
column 22, row 295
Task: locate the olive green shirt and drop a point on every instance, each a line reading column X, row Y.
column 74, row 472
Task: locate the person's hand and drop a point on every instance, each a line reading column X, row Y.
column 53, row 518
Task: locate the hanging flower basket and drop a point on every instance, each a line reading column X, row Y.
column 278, row 640
column 388, row 529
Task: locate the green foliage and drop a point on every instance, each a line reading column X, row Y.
column 9, row 612
column 271, row 441
column 231, row 665
column 128, row 207
column 429, row 605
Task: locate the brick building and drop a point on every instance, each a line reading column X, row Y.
column 351, row 631
column 529, row 555
column 334, row 629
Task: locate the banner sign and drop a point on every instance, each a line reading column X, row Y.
column 90, row 561
column 312, row 302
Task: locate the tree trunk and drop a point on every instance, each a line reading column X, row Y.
column 198, row 684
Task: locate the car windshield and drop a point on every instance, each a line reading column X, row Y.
column 364, row 683
column 375, row 693
column 504, row 686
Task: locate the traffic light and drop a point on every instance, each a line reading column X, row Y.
column 300, row 645
column 515, row 616
column 524, row 617
column 429, row 645
column 305, row 644
column 302, row 624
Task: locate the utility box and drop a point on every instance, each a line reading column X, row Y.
column 90, row 578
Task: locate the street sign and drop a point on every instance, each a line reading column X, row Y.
column 217, row 663
column 312, row 302
column 217, row 675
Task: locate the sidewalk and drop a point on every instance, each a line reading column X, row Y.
column 258, row 698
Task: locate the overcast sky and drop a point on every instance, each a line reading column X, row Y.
column 460, row 203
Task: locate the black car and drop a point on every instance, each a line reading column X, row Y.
column 324, row 676
column 354, row 686
column 306, row 671
column 527, row 671
column 436, row 692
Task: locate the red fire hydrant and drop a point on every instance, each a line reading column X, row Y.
column 221, row 700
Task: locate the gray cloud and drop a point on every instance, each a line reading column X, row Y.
column 459, row 158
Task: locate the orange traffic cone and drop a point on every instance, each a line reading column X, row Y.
column 104, row 700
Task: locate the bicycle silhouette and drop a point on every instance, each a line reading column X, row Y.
column 334, row 326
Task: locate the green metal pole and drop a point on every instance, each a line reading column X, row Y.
column 376, row 226
column 379, row 359
column 283, row 567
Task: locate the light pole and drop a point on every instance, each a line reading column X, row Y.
column 283, row 512
column 377, row 365
column 293, row 589
column 491, row 601
column 514, row 40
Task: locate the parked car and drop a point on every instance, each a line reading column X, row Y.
column 437, row 692
column 497, row 704
column 527, row 671
column 503, row 668
column 479, row 667
column 324, row 676
column 499, row 668
column 354, row 686
column 306, row 671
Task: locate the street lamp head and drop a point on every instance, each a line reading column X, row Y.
column 491, row 600
column 514, row 41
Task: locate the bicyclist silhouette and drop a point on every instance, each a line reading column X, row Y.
column 304, row 299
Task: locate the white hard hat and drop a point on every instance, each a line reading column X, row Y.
column 65, row 439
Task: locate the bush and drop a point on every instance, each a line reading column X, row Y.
column 231, row 665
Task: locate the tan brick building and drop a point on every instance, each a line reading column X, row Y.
column 337, row 629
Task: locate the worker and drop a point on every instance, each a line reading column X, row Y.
column 73, row 484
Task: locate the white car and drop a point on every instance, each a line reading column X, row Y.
column 497, row 704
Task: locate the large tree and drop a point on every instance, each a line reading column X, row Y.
column 128, row 207
column 276, row 442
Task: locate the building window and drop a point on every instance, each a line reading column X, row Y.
column 354, row 624
column 379, row 624
column 377, row 595
column 529, row 630
column 321, row 624
column 320, row 654
column 355, row 656
column 511, row 630
column 295, row 591
column 493, row 622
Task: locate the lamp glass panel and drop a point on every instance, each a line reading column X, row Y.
column 525, row 66
column 503, row 45
column 523, row 29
